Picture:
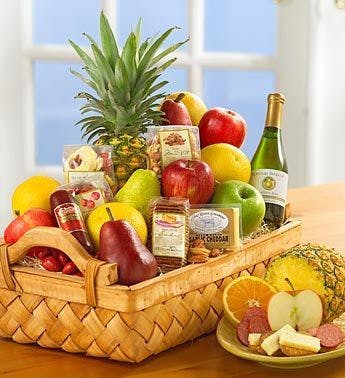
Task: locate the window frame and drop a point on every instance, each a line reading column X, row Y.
column 195, row 60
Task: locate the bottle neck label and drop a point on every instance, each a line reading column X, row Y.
column 272, row 184
column 69, row 218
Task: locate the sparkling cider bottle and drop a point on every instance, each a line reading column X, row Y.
column 269, row 168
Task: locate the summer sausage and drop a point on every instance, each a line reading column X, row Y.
column 254, row 312
column 258, row 324
column 242, row 331
column 330, row 335
column 313, row 331
column 68, row 216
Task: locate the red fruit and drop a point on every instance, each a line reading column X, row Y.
column 52, row 264
column 31, row 252
column 38, row 251
column 192, row 179
column 219, row 125
column 175, row 112
column 79, row 274
column 95, row 195
column 30, row 219
column 43, row 253
column 63, row 258
column 90, row 204
column 70, row 268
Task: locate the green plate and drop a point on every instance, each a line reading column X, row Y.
column 226, row 336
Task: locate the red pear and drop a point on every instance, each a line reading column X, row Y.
column 120, row 244
column 176, row 112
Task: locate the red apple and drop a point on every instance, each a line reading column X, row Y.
column 30, row 219
column 192, row 179
column 219, row 125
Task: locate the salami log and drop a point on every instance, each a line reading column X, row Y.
column 330, row 335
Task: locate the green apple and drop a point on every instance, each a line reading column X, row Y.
column 250, row 199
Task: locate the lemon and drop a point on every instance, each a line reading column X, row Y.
column 33, row 193
column 194, row 104
column 227, row 162
column 119, row 211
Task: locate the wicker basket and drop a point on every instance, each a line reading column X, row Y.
column 102, row 319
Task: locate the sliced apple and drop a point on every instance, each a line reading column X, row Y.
column 301, row 311
column 309, row 314
column 280, row 310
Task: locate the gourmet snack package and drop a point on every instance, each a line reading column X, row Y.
column 89, row 163
column 89, row 194
column 166, row 144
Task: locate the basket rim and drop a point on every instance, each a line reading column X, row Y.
column 161, row 288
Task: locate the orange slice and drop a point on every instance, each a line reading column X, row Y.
column 245, row 292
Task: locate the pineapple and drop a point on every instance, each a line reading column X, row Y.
column 125, row 93
column 314, row 267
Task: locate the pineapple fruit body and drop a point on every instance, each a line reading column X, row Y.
column 129, row 154
column 314, row 267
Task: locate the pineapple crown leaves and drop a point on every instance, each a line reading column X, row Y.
column 125, row 83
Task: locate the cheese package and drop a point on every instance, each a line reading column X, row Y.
column 218, row 226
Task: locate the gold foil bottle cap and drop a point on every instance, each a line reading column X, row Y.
column 276, row 97
column 274, row 110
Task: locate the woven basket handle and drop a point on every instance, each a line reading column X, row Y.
column 98, row 271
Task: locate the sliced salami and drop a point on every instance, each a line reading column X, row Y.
column 330, row 335
column 258, row 324
column 254, row 312
column 242, row 331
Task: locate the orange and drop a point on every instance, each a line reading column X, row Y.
column 245, row 292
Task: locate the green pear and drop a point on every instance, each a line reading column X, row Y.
column 141, row 187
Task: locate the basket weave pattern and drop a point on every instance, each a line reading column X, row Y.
column 99, row 332
column 95, row 316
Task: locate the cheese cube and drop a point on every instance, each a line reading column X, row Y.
column 271, row 344
column 300, row 341
column 254, row 339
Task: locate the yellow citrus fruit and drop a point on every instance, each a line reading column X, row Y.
column 194, row 104
column 33, row 193
column 245, row 292
column 119, row 211
column 227, row 162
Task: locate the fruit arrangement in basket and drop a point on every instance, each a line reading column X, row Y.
column 164, row 182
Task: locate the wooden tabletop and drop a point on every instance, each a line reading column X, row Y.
column 322, row 210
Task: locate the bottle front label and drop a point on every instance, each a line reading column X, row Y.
column 272, row 184
column 69, row 218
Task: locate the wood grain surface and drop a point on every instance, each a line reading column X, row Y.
column 322, row 211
